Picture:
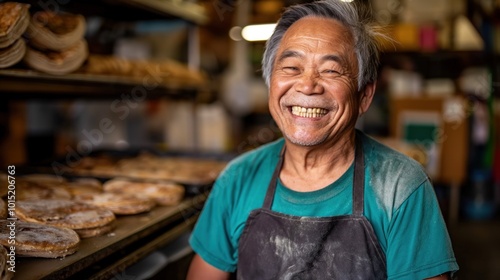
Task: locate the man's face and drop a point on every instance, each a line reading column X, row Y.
column 313, row 90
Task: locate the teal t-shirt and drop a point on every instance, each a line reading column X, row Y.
column 400, row 203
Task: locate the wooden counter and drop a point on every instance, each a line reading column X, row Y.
column 106, row 256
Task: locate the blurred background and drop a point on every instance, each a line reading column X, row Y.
column 194, row 84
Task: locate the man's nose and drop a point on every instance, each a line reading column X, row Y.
column 308, row 83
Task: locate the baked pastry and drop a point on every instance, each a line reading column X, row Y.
column 83, row 186
column 5, row 273
column 71, row 214
column 119, row 203
column 96, row 231
column 163, row 193
column 28, row 190
column 38, row 240
column 55, row 31
column 108, row 65
column 57, row 62
column 14, row 20
column 165, row 72
column 13, row 53
column 187, row 171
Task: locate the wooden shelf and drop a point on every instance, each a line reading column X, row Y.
column 128, row 10
column 181, row 9
column 21, row 84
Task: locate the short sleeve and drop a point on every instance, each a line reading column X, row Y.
column 210, row 238
column 419, row 245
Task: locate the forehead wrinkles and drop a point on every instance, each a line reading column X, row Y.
column 321, row 37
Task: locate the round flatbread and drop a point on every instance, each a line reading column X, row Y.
column 119, row 203
column 84, row 186
column 64, row 213
column 37, row 240
column 97, row 231
column 13, row 22
column 30, row 190
column 55, row 31
column 163, row 193
column 57, row 62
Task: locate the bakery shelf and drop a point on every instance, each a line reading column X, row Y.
column 182, row 9
column 109, row 255
column 128, row 10
column 21, row 83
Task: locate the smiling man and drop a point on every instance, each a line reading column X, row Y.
column 326, row 201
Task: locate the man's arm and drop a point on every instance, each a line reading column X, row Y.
column 200, row 269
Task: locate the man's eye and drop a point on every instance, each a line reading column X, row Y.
column 331, row 71
column 290, row 69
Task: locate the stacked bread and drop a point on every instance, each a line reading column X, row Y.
column 85, row 219
column 163, row 72
column 86, row 190
column 182, row 170
column 14, row 20
column 39, row 240
column 56, row 42
column 55, row 213
column 162, row 193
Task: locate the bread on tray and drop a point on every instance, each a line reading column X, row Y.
column 87, row 220
column 40, row 240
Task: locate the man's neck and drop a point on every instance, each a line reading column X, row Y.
column 313, row 168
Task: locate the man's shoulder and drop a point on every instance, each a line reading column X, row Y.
column 390, row 160
column 391, row 173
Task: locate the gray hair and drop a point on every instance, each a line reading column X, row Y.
column 355, row 17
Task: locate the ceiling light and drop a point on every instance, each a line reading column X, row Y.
column 258, row 32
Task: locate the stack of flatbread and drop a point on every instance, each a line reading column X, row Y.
column 14, row 20
column 41, row 187
column 182, row 170
column 119, row 203
column 56, row 42
column 164, row 71
column 86, row 190
column 38, row 240
column 84, row 186
column 86, row 219
column 163, row 193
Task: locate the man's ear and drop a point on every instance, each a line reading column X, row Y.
column 366, row 97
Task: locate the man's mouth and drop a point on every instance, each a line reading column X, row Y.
column 308, row 112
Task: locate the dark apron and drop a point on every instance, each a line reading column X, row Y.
column 280, row 246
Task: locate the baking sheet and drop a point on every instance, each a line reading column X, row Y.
column 195, row 171
column 129, row 230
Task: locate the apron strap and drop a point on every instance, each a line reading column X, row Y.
column 359, row 179
column 268, row 201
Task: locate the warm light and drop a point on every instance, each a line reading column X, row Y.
column 235, row 33
column 258, row 32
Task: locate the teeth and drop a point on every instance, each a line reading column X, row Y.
column 308, row 112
